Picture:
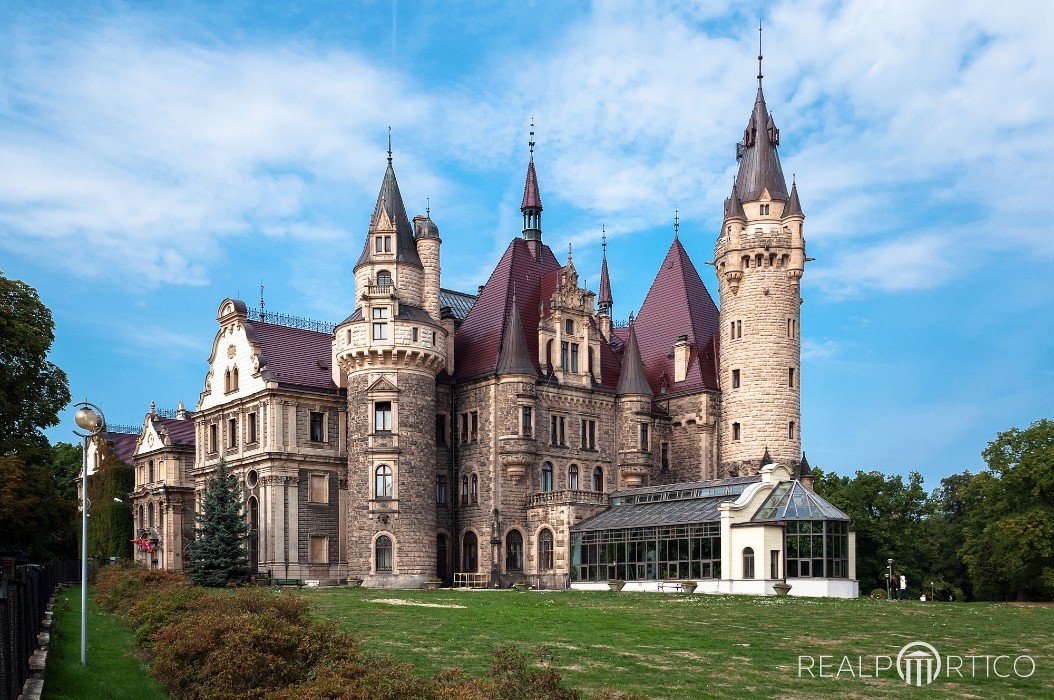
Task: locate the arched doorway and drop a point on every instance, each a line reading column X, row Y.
column 442, row 570
column 470, row 553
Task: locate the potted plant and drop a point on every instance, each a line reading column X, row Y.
column 522, row 585
column 354, row 582
column 782, row 588
column 688, row 586
column 433, row 583
column 616, row 584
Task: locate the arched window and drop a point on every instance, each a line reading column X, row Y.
column 384, row 278
column 142, row 518
column 383, row 483
column 234, row 379
column 469, row 552
column 514, row 551
column 572, row 477
column 227, row 382
column 150, row 514
column 547, row 476
column 464, row 489
column 150, row 471
column 598, row 479
column 383, row 554
column 475, row 489
column 545, row 550
column 549, row 353
column 748, row 563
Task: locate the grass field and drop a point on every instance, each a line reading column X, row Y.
column 112, row 671
column 700, row 646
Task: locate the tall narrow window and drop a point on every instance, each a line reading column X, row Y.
column 149, row 512
column 318, row 488
column 735, row 379
column 464, row 428
column 440, row 430
column 553, row 434
column 383, row 482
column 251, row 427
column 545, row 550
column 739, row 329
column 316, row 423
column 526, row 421
column 441, row 489
column 790, row 377
column 413, row 334
column 774, row 563
column 547, row 476
column 736, row 432
column 213, row 439
column 475, row 488
column 598, row 479
column 574, row 357
column 764, row 209
column 564, row 349
column 748, row 563
column 589, row 434
column 664, row 451
column 790, row 430
column 234, row 379
column 514, row 551
column 319, row 549
column 232, row 432
column 382, row 416
column 380, row 323
column 470, row 552
column 572, row 477
column 644, row 436
column 383, row 556
column 569, row 327
column 150, row 471
column 590, row 366
column 474, row 432
column 464, row 489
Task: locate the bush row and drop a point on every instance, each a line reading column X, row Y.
column 248, row 644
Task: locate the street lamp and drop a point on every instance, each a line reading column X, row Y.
column 89, row 418
column 889, row 580
column 931, row 591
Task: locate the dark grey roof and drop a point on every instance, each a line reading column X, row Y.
column 425, row 227
column 733, row 206
column 759, row 163
column 687, row 486
column 792, row 501
column 460, row 303
column 390, row 200
column 793, row 206
column 631, row 379
column 803, row 467
column 513, row 358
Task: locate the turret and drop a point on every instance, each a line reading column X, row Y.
column 759, row 259
column 531, row 205
column 428, row 243
column 634, row 417
column 605, row 301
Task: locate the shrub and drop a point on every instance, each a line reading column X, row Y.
column 119, row 585
column 160, row 606
column 879, row 594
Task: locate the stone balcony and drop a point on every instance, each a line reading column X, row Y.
column 567, row 497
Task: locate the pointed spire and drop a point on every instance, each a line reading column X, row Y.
column 794, row 205
column 390, row 206
column 389, row 145
column 803, row 467
column 605, row 301
column 514, row 357
column 766, row 458
column 759, row 163
column 531, row 205
column 631, row 379
column 733, row 205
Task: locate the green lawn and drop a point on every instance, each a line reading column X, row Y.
column 679, row 646
column 112, row 671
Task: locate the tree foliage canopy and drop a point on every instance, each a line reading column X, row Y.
column 218, row 556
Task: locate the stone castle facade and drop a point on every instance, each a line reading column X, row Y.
column 434, row 433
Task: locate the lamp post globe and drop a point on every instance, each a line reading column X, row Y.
column 87, row 419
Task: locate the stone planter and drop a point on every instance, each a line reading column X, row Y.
column 781, row 589
column 689, row 586
column 616, row 585
column 432, row 585
column 354, row 582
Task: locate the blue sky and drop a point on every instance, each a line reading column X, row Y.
column 156, row 159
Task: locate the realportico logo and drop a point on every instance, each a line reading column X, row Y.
column 918, row 664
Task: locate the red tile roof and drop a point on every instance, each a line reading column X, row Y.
column 478, row 340
column 678, row 304
column 532, row 198
column 180, row 431
column 293, row 356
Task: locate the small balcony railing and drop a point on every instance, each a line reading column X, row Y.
column 567, row 496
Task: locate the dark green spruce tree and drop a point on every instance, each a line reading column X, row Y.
column 218, row 556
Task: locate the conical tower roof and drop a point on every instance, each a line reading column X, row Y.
column 793, row 206
column 390, row 205
column 532, row 198
column 759, row 163
column 733, row 205
column 605, row 282
column 514, row 358
column 632, row 379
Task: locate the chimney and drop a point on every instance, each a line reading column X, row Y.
column 681, row 352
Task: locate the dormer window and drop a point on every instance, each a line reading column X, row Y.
column 384, row 279
column 764, row 209
column 382, row 244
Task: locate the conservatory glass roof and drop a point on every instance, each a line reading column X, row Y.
column 792, row 501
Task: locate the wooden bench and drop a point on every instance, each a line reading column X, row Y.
column 671, row 584
column 279, row 582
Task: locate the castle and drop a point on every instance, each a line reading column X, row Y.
column 520, row 432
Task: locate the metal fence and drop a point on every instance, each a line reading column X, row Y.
column 24, row 594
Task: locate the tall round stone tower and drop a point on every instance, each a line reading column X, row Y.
column 387, row 355
column 759, row 259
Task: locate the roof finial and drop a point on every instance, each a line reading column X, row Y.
column 569, row 256
column 263, row 306
column 604, row 239
column 760, row 76
column 389, row 145
column 531, row 142
column 676, row 223
column 428, row 207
